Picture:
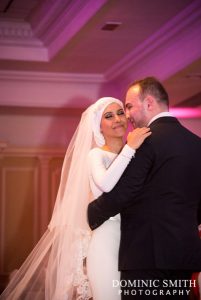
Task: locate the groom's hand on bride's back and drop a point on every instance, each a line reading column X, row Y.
column 94, row 215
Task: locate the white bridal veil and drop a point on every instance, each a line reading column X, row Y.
column 55, row 269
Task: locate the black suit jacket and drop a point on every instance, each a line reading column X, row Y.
column 159, row 198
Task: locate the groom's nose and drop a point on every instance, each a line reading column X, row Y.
column 127, row 114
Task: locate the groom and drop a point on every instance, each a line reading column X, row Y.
column 159, row 198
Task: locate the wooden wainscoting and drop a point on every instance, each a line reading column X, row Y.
column 29, row 180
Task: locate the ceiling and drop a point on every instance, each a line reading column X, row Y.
column 160, row 38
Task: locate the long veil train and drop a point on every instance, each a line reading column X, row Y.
column 55, row 268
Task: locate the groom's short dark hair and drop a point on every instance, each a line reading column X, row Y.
column 152, row 86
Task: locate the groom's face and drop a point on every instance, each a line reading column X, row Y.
column 136, row 110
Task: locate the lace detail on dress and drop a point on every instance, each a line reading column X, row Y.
column 81, row 282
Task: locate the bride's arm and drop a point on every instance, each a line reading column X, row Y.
column 106, row 178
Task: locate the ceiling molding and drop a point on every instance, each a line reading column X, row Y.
column 25, row 53
column 170, row 39
column 62, row 20
column 50, row 77
column 44, row 18
column 15, row 30
column 31, row 89
column 50, row 28
column 17, row 42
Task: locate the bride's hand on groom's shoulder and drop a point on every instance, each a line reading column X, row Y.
column 136, row 137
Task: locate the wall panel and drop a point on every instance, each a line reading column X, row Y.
column 29, row 180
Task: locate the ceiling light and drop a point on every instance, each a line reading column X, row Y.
column 111, row 26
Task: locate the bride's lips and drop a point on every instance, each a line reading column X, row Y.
column 118, row 126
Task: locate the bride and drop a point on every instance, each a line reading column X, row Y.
column 56, row 269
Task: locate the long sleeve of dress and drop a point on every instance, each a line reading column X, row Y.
column 112, row 203
column 105, row 173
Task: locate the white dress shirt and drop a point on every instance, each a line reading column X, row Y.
column 162, row 114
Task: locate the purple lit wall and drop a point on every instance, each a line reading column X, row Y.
column 186, row 113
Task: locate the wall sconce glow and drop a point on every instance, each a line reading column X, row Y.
column 186, row 112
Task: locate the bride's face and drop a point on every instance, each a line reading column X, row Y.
column 113, row 121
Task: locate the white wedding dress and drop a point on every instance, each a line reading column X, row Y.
column 105, row 169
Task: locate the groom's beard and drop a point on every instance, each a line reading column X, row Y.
column 139, row 124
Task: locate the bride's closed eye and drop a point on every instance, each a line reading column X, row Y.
column 109, row 115
column 121, row 112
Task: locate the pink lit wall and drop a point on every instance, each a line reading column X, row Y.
column 54, row 127
column 42, row 110
column 189, row 117
column 55, row 130
column 186, row 113
column 37, row 130
column 193, row 125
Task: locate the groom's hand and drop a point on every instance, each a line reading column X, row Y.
column 94, row 215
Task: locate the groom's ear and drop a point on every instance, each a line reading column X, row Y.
column 149, row 102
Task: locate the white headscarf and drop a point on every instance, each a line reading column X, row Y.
column 97, row 111
column 55, row 267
